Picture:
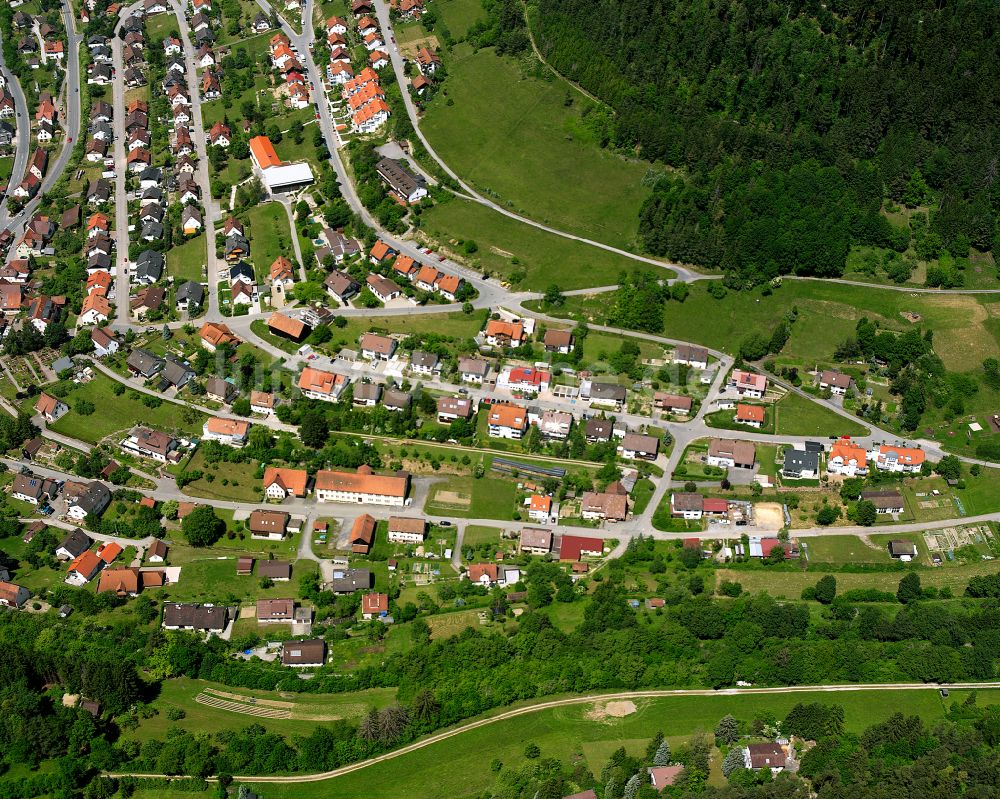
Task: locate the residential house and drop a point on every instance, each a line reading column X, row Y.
column 604, row 506
column 176, row 373
column 800, row 465
column 607, row 395
column 322, row 385
column 73, row 545
column 673, row 403
column 902, row 550
column 105, row 342
column 142, row 363
column 146, row 300
column 887, row 501
column 95, row 309
column 91, row 502
column 231, row 432
column 262, row 402
column 13, row 595
column 367, row 394
column 555, row 425
column 427, row 62
column 341, row 286
column 215, row 334
column 687, row 505
column 690, row 355
column 153, row 444
column 268, row 524
column 286, row 327
column 535, row 541
column 847, row 458
column 396, row 400
column 280, row 483
column 539, row 507
column 473, row 370
column 190, row 296
column 211, row 619
column 726, row 453
column 219, row 389
column 403, row 184
column 424, row 363
column 507, row 420
column 500, row 333
column 748, row 384
column 750, row 415
column 764, row 756
column 635, row 445
column 383, row 288
column 33, row 489
column 406, row 530
column 84, row 568
column 275, row 611
column 575, row 547
column 834, row 382
column 374, row 606
column 597, row 431
column 898, row 459
column 451, row 408
column 49, row 407
column 302, row 654
column 377, row 348
column 560, row 341
column 220, row 135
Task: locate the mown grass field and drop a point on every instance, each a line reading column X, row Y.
column 455, row 325
column 507, row 246
column 459, row 15
column 269, row 237
column 187, row 261
column 120, row 413
column 966, row 327
column 181, row 692
column 789, row 584
column 486, row 498
column 797, row 416
column 560, row 732
column 513, row 137
column 207, row 576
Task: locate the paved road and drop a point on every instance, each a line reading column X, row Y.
column 211, row 212
column 70, row 123
column 890, row 287
column 23, row 147
column 582, row 700
column 121, row 172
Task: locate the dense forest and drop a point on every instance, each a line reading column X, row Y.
column 786, row 125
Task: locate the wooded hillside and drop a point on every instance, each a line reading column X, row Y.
column 791, row 122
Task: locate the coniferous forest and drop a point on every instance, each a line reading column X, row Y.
column 785, row 126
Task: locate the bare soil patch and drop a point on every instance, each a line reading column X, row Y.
column 769, row 515
column 602, row 711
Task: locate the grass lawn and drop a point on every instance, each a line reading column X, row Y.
column 507, row 246
column 187, row 261
column 797, row 416
column 789, row 584
column 243, row 485
column 844, row 549
column 480, row 534
column 455, row 325
column 159, row 26
column 269, row 237
column 642, row 494
column 561, row 732
column 6, row 167
column 966, row 327
column 120, row 413
column 209, row 575
column 465, row 496
column 512, row 136
column 305, row 709
column 726, row 420
column 459, row 15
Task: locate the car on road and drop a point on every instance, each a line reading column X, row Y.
column 444, row 523
column 442, row 258
column 69, row 139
